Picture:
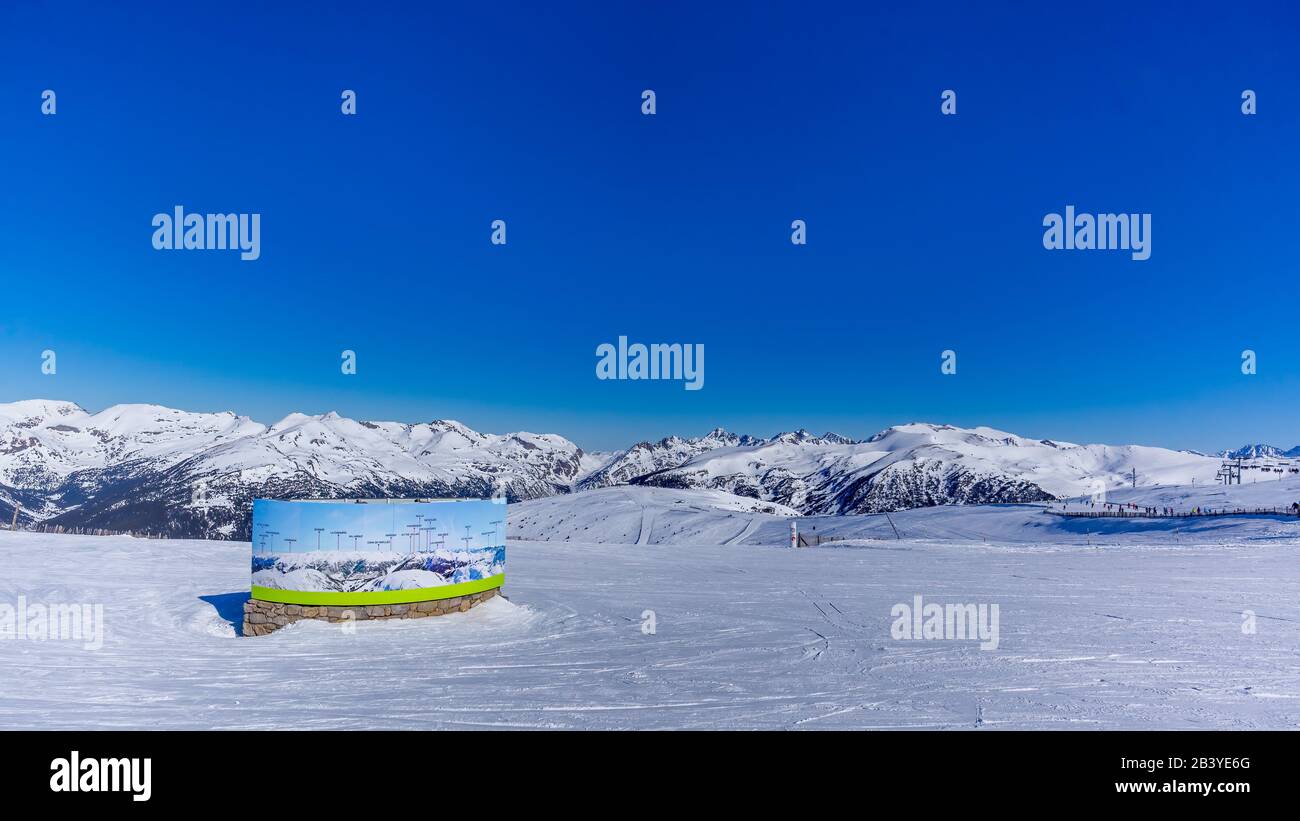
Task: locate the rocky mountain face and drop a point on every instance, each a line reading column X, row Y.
column 150, row 469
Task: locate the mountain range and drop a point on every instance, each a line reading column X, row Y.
column 151, row 469
column 1261, row 452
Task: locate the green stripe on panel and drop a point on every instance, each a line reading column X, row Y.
column 419, row 594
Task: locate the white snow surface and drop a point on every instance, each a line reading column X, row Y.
column 1137, row 632
column 648, row 515
column 643, row 515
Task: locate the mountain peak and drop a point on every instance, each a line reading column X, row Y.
column 38, row 409
column 792, row 436
column 837, row 439
column 291, row 421
column 1259, row 451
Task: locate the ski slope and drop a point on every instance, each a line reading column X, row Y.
column 643, row 515
column 660, row 516
column 746, row 636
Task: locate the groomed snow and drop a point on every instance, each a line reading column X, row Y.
column 747, row 636
column 658, row 516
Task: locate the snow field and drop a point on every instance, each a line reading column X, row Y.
column 745, row 636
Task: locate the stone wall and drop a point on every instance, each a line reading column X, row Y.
column 262, row 617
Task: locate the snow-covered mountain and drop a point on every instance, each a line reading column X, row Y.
column 1261, row 452
column 649, row 457
column 645, row 458
column 54, row 456
column 919, row 464
column 152, row 469
column 44, row 442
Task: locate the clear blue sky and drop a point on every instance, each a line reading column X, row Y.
column 924, row 230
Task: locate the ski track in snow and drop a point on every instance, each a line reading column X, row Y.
column 647, row 522
column 750, row 527
column 747, row 637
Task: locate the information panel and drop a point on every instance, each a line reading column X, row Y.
column 376, row 551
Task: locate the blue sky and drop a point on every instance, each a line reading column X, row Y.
column 924, row 231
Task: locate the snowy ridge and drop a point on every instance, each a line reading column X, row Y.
column 43, row 442
column 147, row 468
column 1261, row 452
column 649, row 457
column 918, row 465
